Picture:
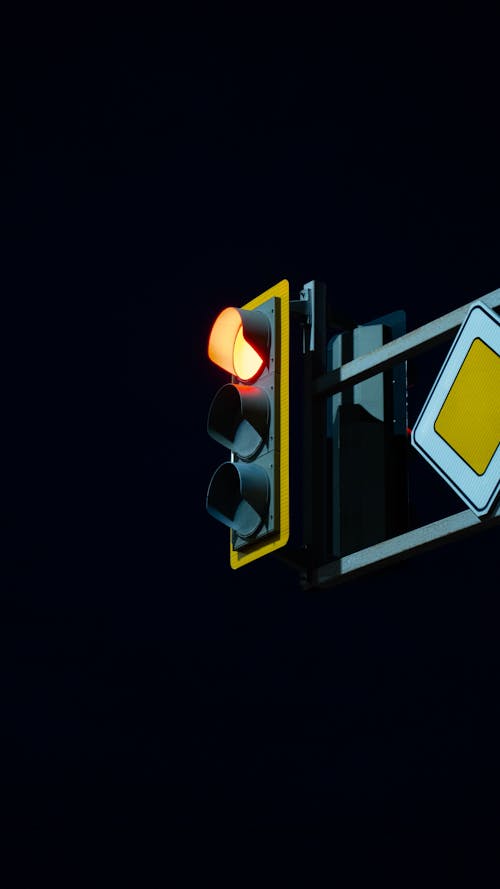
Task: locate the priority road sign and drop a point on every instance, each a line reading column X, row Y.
column 458, row 428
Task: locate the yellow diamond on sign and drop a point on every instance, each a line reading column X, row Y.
column 458, row 428
column 469, row 419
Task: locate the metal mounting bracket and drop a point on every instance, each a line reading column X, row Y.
column 304, row 309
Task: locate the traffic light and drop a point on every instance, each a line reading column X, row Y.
column 249, row 415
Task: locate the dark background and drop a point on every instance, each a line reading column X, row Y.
column 155, row 703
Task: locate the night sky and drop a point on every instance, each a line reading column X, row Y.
column 154, row 703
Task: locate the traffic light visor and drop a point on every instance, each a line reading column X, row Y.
column 239, row 342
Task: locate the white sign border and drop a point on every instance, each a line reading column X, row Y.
column 479, row 492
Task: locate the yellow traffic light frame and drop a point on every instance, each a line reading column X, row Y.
column 280, row 292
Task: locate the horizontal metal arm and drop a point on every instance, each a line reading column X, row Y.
column 400, row 349
column 396, row 549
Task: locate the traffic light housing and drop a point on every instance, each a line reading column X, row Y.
column 249, row 415
column 367, row 425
